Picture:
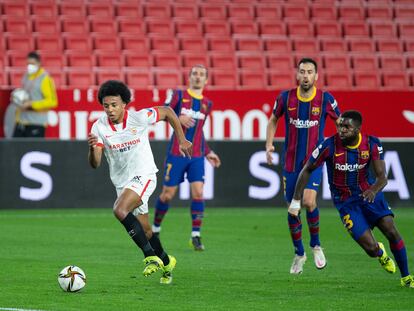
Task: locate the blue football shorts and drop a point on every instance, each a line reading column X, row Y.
column 359, row 215
column 289, row 182
column 178, row 167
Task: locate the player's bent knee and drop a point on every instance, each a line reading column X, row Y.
column 119, row 212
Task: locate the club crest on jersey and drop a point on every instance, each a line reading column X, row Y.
column 133, row 130
column 364, row 154
column 316, row 111
column 149, row 112
column 204, row 107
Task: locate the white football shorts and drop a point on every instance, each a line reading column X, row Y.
column 144, row 186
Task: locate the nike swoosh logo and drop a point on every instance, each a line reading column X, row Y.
column 339, row 154
column 315, row 184
column 290, row 109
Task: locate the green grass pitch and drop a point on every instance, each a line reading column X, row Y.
column 245, row 265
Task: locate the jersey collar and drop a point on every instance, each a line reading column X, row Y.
column 192, row 94
column 303, row 99
column 357, row 144
column 124, row 121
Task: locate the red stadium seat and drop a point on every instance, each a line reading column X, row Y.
column 252, row 80
column 48, row 42
column 138, row 79
column 136, row 60
column 222, row 61
column 340, row 62
column 395, row 80
column 383, row 29
column 106, row 59
column 220, row 44
column 323, row 12
column 132, row 42
column 355, row 29
column 58, row 76
column 167, row 78
column 192, row 43
column 361, row 45
column 280, row 62
column 299, row 28
column 166, row 60
column 80, row 78
column 16, row 59
column 251, row 61
column 216, row 27
column 406, row 29
column 224, row 79
column 305, row 45
column 213, row 10
column 333, row 45
column 103, row 75
column 77, row 42
column 159, row 26
column 163, row 43
column 188, row 27
column 365, row 62
column 186, row 11
column 409, row 59
column 189, row 59
column 158, row 10
column 248, row 43
column 367, row 80
column 102, row 10
column 14, row 8
column 268, row 11
column 17, row 25
column 15, row 77
column 130, row 25
column 392, row 63
column 243, row 27
column 42, row 25
column 79, row 59
column 99, row 25
column 379, row 12
column 130, row 10
column 74, row 24
column 72, row 9
column 389, row 46
column 296, row 11
column 52, row 60
column 47, row 9
column 338, row 80
column 351, row 12
column 272, row 27
column 19, row 42
column 330, row 29
column 281, row 80
column 4, row 81
column 408, row 45
column 277, row 44
column 404, row 11
column 104, row 42
column 241, row 11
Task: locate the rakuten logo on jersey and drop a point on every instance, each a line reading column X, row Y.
column 302, row 123
column 125, row 146
column 349, row 167
column 194, row 114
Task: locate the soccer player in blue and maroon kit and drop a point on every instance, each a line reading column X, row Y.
column 356, row 193
column 192, row 108
column 305, row 110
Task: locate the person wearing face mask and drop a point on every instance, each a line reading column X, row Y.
column 31, row 116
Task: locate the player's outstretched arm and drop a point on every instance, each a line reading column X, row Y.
column 270, row 134
column 95, row 152
column 380, row 182
column 303, row 178
column 166, row 113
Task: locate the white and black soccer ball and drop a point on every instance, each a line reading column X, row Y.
column 19, row 96
column 72, row 279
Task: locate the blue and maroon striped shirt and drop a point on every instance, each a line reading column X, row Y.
column 348, row 166
column 199, row 108
column 305, row 123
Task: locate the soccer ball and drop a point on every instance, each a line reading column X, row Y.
column 72, row 279
column 19, row 96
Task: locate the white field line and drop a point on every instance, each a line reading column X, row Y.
column 18, row 309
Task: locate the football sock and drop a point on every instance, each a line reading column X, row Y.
column 313, row 224
column 400, row 255
column 380, row 251
column 159, row 251
column 135, row 231
column 295, row 227
column 161, row 208
column 197, row 213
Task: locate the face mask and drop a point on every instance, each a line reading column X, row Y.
column 31, row 69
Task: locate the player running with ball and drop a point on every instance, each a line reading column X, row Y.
column 123, row 137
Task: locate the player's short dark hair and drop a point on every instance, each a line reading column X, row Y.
column 34, row 55
column 198, row 66
column 306, row 60
column 354, row 115
column 114, row 88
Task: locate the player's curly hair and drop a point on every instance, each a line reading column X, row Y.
column 354, row 115
column 114, row 88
